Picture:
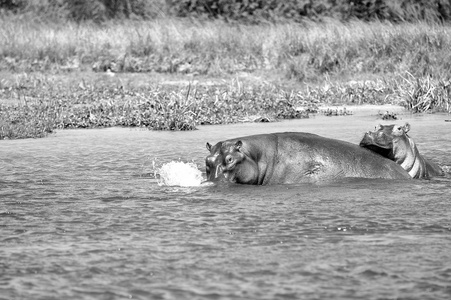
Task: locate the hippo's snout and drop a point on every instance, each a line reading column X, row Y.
column 215, row 173
column 367, row 139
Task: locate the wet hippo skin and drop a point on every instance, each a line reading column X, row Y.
column 392, row 141
column 294, row 157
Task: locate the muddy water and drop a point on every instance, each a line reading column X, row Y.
column 83, row 217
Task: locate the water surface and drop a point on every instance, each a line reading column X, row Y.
column 83, row 217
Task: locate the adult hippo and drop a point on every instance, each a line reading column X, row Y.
column 392, row 141
column 294, row 157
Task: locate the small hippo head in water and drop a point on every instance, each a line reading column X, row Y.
column 228, row 160
column 381, row 139
column 392, row 141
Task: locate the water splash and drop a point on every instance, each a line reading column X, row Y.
column 177, row 173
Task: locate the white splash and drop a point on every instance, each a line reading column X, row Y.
column 177, row 173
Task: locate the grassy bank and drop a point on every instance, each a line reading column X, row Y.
column 35, row 105
column 48, row 82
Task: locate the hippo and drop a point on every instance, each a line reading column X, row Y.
column 294, row 157
column 392, row 141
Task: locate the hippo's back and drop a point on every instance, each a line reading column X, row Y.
column 309, row 157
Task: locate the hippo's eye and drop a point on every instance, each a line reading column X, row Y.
column 229, row 159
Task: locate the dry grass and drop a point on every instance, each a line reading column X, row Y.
column 305, row 52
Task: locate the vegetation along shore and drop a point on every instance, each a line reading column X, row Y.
column 168, row 71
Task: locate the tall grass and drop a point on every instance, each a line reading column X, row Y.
column 305, row 52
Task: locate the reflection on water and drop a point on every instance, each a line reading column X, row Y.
column 82, row 216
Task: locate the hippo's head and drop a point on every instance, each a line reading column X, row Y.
column 382, row 139
column 230, row 161
column 213, row 163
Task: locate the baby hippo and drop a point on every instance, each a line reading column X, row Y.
column 392, row 141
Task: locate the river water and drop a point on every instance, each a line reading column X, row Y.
column 82, row 216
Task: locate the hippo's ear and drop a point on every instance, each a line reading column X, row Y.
column 208, row 146
column 238, row 145
column 406, row 127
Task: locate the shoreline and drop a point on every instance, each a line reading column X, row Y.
column 35, row 104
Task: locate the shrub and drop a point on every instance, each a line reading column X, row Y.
column 82, row 10
column 250, row 11
column 255, row 11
